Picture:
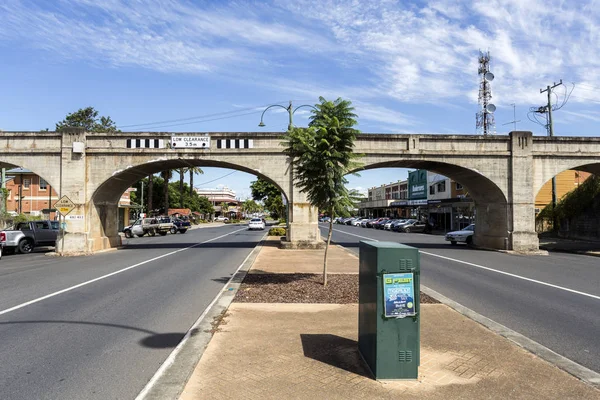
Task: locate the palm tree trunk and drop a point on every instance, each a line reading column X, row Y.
column 181, row 172
column 150, row 190
column 191, row 182
column 327, row 247
column 165, row 175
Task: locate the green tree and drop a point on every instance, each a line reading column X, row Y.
column 87, row 118
column 250, row 207
column 269, row 195
column 205, row 206
column 224, row 208
column 321, row 156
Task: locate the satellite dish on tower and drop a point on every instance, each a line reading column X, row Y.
column 489, row 76
column 490, row 108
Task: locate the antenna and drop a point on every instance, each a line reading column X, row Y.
column 514, row 121
column 484, row 119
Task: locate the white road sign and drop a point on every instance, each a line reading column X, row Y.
column 179, row 142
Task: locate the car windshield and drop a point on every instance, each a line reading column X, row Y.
column 470, row 228
column 256, row 220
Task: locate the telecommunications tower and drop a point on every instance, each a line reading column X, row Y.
column 485, row 117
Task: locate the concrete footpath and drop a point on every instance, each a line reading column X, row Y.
column 309, row 351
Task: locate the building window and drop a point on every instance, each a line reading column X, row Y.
column 26, row 183
column 431, row 189
column 441, row 187
column 43, row 184
column 459, row 186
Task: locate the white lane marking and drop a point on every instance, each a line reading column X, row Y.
column 109, row 275
column 491, row 269
column 171, row 359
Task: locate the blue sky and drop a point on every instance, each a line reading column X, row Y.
column 408, row 67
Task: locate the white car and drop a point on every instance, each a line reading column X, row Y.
column 221, row 219
column 357, row 221
column 256, row 223
column 465, row 235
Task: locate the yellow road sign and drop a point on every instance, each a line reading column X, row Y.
column 64, row 205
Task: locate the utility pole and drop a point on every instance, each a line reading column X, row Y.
column 550, row 129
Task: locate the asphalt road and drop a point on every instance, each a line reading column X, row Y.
column 564, row 317
column 107, row 338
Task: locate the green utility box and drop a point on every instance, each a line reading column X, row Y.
column 388, row 311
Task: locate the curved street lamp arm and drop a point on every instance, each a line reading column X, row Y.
column 305, row 105
column 274, row 105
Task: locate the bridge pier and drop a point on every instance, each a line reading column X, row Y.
column 521, row 199
column 303, row 223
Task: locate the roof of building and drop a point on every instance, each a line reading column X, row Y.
column 182, row 211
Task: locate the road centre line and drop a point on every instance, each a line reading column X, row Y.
column 111, row 274
column 490, row 269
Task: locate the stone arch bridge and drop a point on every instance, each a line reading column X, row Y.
column 502, row 173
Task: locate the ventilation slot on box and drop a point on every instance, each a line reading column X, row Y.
column 405, row 356
column 406, row 264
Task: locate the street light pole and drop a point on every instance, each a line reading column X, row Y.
column 290, row 111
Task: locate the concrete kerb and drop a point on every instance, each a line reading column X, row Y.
column 170, row 380
column 579, row 371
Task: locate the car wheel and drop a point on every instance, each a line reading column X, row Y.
column 173, row 230
column 128, row 234
column 182, row 230
column 469, row 240
column 25, row 246
column 407, row 230
column 453, row 242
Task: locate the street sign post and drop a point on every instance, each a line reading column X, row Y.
column 64, row 206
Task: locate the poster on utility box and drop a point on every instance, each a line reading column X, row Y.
column 399, row 295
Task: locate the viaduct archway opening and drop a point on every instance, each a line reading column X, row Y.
column 105, row 199
column 493, row 225
column 578, row 203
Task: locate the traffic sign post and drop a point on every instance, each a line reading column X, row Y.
column 64, row 206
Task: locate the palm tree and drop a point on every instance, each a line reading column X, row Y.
column 150, row 190
column 181, row 172
column 166, row 175
column 321, row 156
column 224, row 208
column 192, row 171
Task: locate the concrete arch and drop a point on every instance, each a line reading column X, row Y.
column 103, row 206
column 549, row 169
column 492, row 222
column 47, row 174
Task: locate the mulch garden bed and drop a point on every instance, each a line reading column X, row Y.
column 302, row 288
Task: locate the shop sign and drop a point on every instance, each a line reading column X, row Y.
column 399, row 295
column 417, row 184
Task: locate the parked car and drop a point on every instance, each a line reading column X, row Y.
column 141, row 227
column 28, row 235
column 465, row 235
column 357, row 221
column 413, row 225
column 256, row 223
column 379, row 224
column 180, row 225
column 221, row 218
column 324, row 219
column 2, row 242
column 396, row 226
column 388, row 224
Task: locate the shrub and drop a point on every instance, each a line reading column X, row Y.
column 277, row 232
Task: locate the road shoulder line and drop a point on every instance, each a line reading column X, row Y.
column 170, row 379
column 579, row 371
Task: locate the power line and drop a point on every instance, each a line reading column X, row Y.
column 224, row 176
column 201, row 117
column 195, row 122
